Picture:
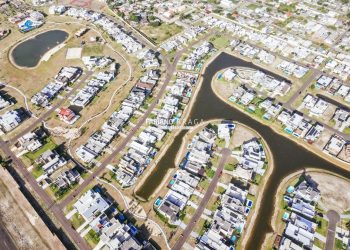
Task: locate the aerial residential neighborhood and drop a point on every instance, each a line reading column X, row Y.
column 175, row 124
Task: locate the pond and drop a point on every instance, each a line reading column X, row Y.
column 29, row 53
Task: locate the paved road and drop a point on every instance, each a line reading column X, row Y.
column 225, row 154
column 6, row 242
column 307, row 83
column 45, row 198
column 35, row 123
column 333, row 218
column 171, row 68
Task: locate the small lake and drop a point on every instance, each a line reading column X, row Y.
column 29, row 53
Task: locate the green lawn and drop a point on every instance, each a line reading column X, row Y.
column 220, row 42
column 220, row 190
column 214, row 203
column 257, row 179
column 339, row 245
column 346, row 130
column 188, row 211
column 201, row 226
column 48, row 145
column 215, row 160
column 209, row 172
column 194, row 198
column 92, row 238
column 37, row 171
column 61, row 193
column 252, row 198
column 133, row 119
column 319, row 243
column 220, row 142
column 92, row 50
column 229, row 167
column 252, row 6
column 322, row 226
column 204, row 184
column 77, row 220
column 287, row 7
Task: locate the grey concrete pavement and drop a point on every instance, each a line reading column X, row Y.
column 333, row 218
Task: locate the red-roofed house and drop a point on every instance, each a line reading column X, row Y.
column 67, row 115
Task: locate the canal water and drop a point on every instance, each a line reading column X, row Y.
column 28, row 53
column 288, row 156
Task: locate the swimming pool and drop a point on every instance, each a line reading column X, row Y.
column 157, row 202
column 285, row 216
column 249, row 203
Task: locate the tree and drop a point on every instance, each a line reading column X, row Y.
column 348, row 225
column 134, row 17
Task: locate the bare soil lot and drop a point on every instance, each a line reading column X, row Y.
column 20, row 219
column 331, row 195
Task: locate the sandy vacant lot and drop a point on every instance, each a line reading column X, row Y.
column 334, row 191
column 23, row 224
column 242, row 134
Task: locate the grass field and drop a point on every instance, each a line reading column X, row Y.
column 229, row 167
column 220, row 42
column 204, row 184
column 77, row 220
column 92, row 238
column 93, row 50
column 322, row 226
column 162, row 32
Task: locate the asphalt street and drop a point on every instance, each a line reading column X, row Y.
column 187, row 232
column 333, row 218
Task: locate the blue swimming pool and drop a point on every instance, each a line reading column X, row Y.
column 290, row 189
column 158, row 201
column 285, row 216
column 289, row 131
column 249, row 203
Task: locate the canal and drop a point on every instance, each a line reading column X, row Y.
column 288, row 155
column 29, row 53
